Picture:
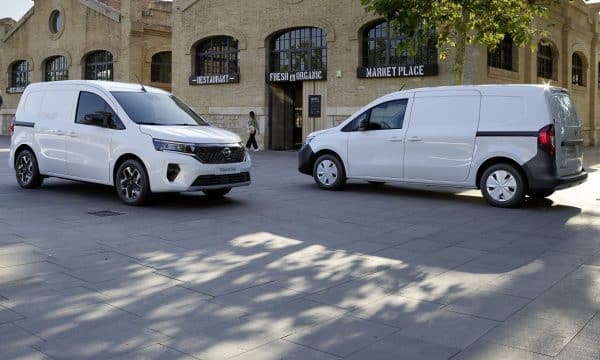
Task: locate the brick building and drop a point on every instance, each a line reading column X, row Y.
column 300, row 65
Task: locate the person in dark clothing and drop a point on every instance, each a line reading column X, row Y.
column 253, row 129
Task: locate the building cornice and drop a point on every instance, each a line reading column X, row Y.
column 103, row 9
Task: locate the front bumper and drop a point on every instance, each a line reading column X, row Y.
column 194, row 175
column 306, row 159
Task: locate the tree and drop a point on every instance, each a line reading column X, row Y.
column 461, row 22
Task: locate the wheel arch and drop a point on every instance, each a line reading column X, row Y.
column 124, row 157
column 499, row 160
column 20, row 149
column 328, row 152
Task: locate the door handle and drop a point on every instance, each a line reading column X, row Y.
column 72, row 134
column 395, row 139
column 414, row 139
column 59, row 132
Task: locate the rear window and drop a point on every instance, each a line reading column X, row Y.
column 564, row 109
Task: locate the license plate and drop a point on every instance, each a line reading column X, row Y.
column 228, row 170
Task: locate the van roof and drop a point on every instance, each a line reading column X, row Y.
column 498, row 90
column 109, row 86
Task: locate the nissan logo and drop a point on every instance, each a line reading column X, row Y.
column 226, row 152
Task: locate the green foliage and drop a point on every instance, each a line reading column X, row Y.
column 461, row 22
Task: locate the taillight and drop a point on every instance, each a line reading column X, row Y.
column 11, row 128
column 546, row 140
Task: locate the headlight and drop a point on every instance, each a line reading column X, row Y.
column 163, row 145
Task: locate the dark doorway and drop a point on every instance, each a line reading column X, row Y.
column 286, row 116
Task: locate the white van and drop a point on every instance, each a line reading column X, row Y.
column 507, row 140
column 139, row 139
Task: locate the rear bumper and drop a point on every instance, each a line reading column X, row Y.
column 542, row 175
column 306, row 160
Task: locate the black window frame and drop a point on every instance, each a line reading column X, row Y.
column 354, row 125
column 20, row 72
column 503, row 55
column 161, row 67
column 56, row 68
column 308, row 45
column 380, row 39
column 218, row 55
column 577, row 70
column 97, row 62
column 117, row 124
column 545, row 61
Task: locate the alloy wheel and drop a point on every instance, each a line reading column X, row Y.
column 131, row 183
column 25, row 169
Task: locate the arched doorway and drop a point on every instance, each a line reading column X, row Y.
column 296, row 56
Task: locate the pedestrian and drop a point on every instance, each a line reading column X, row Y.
column 253, row 129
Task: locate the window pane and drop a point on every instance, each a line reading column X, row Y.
column 389, row 115
column 382, row 48
column 217, row 56
column 93, row 104
column 299, row 50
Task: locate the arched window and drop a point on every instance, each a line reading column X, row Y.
column 578, row 70
column 380, row 48
column 217, row 56
column 302, row 49
column 99, row 66
column 545, row 61
column 503, row 56
column 56, row 69
column 160, row 69
column 20, row 74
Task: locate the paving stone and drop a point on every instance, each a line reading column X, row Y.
column 351, row 295
column 7, row 315
column 284, row 350
column 534, row 334
column 261, row 297
column 398, row 347
column 489, row 305
column 396, row 310
column 153, row 352
column 327, row 337
column 487, row 350
column 449, row 329
column 18, row 272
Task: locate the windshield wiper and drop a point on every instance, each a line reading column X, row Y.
column 150, row 123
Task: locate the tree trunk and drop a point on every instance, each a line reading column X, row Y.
column 461, row 46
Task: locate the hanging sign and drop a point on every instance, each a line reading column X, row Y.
column 314, row 106
column 278, row 77
column 374, row 72
column 214, row 79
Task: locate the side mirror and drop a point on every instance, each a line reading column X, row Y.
column 96, row 119
column 363, row 125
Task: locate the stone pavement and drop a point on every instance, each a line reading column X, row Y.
column 285, row 270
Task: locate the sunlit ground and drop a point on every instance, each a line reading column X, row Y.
column 284, row 270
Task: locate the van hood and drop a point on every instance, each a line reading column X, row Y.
column 192, row 134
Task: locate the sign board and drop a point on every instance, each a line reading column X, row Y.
column 399, row 71
column 314, row 106
column 15, row 90
column 280, row 77
column 214, row 79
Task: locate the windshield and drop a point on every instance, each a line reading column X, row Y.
column 157, row 109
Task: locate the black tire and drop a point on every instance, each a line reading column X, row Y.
column 329, row 172
column 27, row 170
column 540, row 194
column 132, row 183
column 216, row 193
column 504, row 179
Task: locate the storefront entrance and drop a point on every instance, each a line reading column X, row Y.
column 286, row 116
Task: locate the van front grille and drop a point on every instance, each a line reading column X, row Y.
column 214, row 180
column 220, row 154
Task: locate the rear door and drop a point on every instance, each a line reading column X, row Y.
column 569, row 137
column 440, row 139
column 55, row 108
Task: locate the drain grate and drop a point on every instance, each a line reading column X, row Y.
column 105, row 213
